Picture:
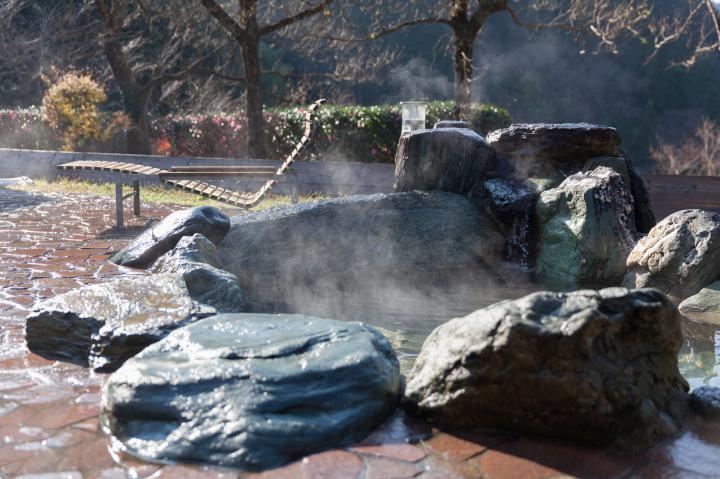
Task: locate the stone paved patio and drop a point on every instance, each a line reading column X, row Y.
column 48, row 410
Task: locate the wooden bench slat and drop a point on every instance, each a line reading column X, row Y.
column 216, row 174
column 191, row 169
column 136, row 168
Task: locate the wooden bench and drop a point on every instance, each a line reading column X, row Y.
column 189, row 178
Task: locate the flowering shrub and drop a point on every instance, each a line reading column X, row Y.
column 71, row 107
column 344, row 133
column 26, row 129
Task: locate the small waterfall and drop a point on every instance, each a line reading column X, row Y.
column 513, row 202
column 518, row 242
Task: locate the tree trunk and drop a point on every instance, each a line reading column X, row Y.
column 135, row 96
column 464, row 40
column 253, row 99
column 138, row 134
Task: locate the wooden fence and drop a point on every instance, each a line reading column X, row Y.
column 670, row 193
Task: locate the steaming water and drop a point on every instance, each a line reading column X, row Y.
column 408, row 318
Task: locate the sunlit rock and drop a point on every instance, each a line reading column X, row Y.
column 703, row 306
column 644, row 216
column 587, row 230
column 680, row 255
column 596, row 366
column 306, row 257
column 161, row 238
column 195, row 258
column 102, row 325
column 252, row 391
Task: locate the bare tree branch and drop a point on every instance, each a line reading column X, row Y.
column 302, row 15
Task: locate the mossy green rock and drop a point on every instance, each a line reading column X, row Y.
column 252, row 391
column 587, row 230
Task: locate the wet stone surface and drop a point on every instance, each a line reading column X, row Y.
column 102, row 325
column 195, row 259
column 253, row 391
column 49, row 410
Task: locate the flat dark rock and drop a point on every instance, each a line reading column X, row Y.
column 452, row 124
column 529, row 146
column 456, row 160
column 195, row 258
column 161, row 238
column 252, row 391
column 102, row 325
column 320, row 257
column 595, row 366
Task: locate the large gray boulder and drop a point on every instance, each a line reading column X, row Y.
column 541, row 149
column 161, row 238
column 456, row 160
column 195, row 258
column 102, row 325
column 587, row 229
column 595, row 366
column 315, row 257
column 252, row 391
column 680, row 255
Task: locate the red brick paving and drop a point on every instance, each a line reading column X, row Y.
column 49, row 410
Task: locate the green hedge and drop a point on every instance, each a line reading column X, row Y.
column 345, row 133
column 364, row 134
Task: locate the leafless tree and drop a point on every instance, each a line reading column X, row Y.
column 697, row 23
column 36, row 35
column 149, row 44
column 605, row 21
column 697, row 155
column 249, row 22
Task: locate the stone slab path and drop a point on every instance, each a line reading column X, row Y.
column 49, row 410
